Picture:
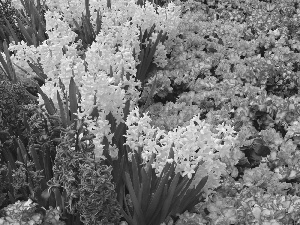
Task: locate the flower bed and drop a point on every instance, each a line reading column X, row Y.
column 183, row 113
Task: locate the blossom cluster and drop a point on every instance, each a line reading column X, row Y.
column 60, row 58
column 192, row 143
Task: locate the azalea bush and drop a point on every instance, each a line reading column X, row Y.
column 194, row 104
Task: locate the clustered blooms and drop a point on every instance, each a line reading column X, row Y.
column 60, row 59
column 191, row 144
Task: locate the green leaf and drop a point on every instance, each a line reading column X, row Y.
column 12, row 32
column 48, row 105
column 150, row 96
column 5, row 67
column 135, row 177
column 34, row 40
column 38, row 71
column 192, row 198
column 87, row 8
column 58, row 198
column 67, row 113
column 146, row 181
column 62, row 111
column 128, row 218
column 155, row 219
column 35, row 158
column 24, row 32
column 135, row 202
column 25, row 119
column 9, row 158
column 12, row 73
column 156, row 196
column 73, row 99
column 109, row 4
column 98, row 22
column 47, row 163
column 23, row 150
column 23, row 70
column 168, row 201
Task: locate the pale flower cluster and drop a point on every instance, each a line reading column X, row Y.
column 23, row 53
column 191, row 144
column 112, row 50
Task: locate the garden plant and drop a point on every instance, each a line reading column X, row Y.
column 150, row 112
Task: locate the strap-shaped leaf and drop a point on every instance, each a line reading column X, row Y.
column 47, row 163
column 168, row 201
column 26, row 5
column 121, row 129
column 48, row 105
column 19, row 156
column 109, row 4
column 25, row 119
column 181, row 196
column 155, row 219
column 23, row 70
column 58, row 198
column 12, row 32
column 35, row 157
column 5, row 67
column 9, row 158
column 165, row 171
column 139, row 69
column 23, row 16
column 23, row 150
column 151, row 94
column 135, row 176
column 87, row 8
column 156, row 196
column 38, row 72
column 135, row 202
column 34, row 40
column 24, row 32
column 42, row 33
column 11, row 73
column 111, row 73
column 87, row 29
column 192, row 196
column 180, row 192
column 62, row 111
column 73, row 99
column 2, row 33
column 146, row 181
column 67, row 113
column 98, row 22
column 128, row 218
column 145, row 60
